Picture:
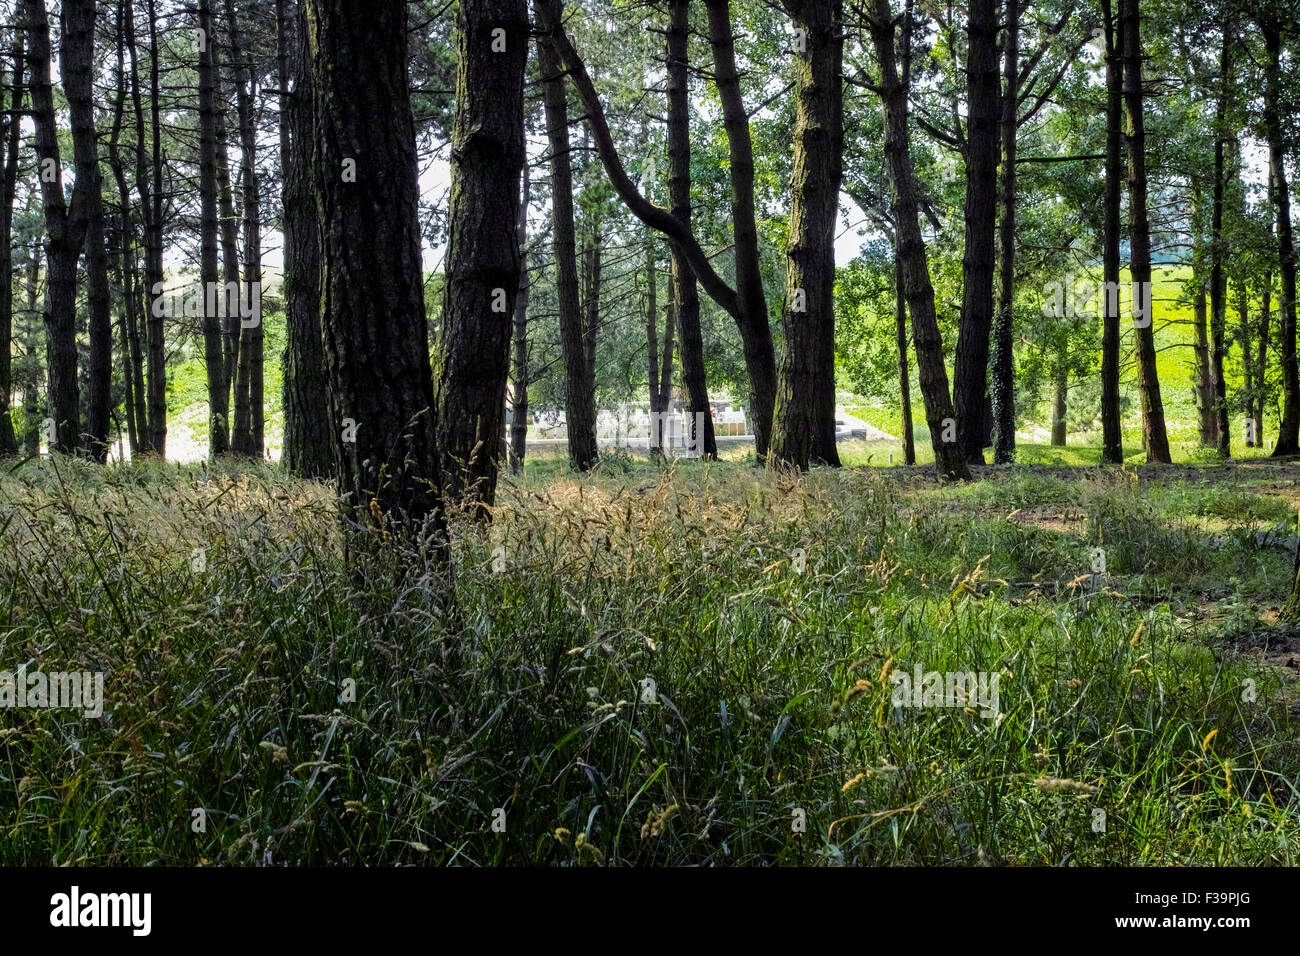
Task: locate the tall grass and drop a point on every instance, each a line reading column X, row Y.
column 681, row 665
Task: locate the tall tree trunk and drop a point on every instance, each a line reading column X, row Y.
column 685, row 296
column 900, row 298
column 1218, row 276
column 591, row 293
column 756, row 333
column 147, row 165
column 804, row 424
column 128, row 270
column 31, row 434
column 1060, row 390
column 376, row 338
column 1002, row 389
column 1155, row 440
column 1265, row 321
column 228, row 231
column 1202, row 377
column 939, row 415
column 519, row 385
column 483, row 255
column 76, row 66
column 1288, row 433
column 247, row 437
column 1247, row 359
column 579, row 392
column 652, row 342
column 209, row 265
column 970, row 375
column 8, row 187
column 65, row 223
column 1112, row 440
column 310, row 438
column 904, row 375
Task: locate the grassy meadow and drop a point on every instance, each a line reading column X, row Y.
column 681, row 664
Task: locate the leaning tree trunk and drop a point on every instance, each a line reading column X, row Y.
column 483, row 264
column 1002, row 389
column 579, row 393
column 309, row 442
column 1288, row 433
column 1153, row 412
column 948, row 456
column 366, row 176
column 756, row 334
column 804, row 418
column 685, row 294
column 970, row 375
column 753, row 326
column 1112, row 440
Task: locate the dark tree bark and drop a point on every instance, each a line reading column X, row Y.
column 1112, row 441
column 685, row 293
column 756, row 333
column 804, row 423
column 970, row 374
column 519, row 384
column 1288, row 433
column 671, row 314
column 1153, row 413
column 652, row 342
column 591, row 259
column 209, row 265
column 375, row 332
column 8, row 186
column 228, row 238
column 579, row 392
column 900, row 297
column 1265, row 317
column 1002, row 388
column 1247, row 359
column 247, row 436
column 148, row 184
column 309, row 435
column 76, row 66
column 483, row 257
column 904, row 375
column 32, row 411
column 1218, row 276
column 65, row 223
column 939, row 415
column 128, row 260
